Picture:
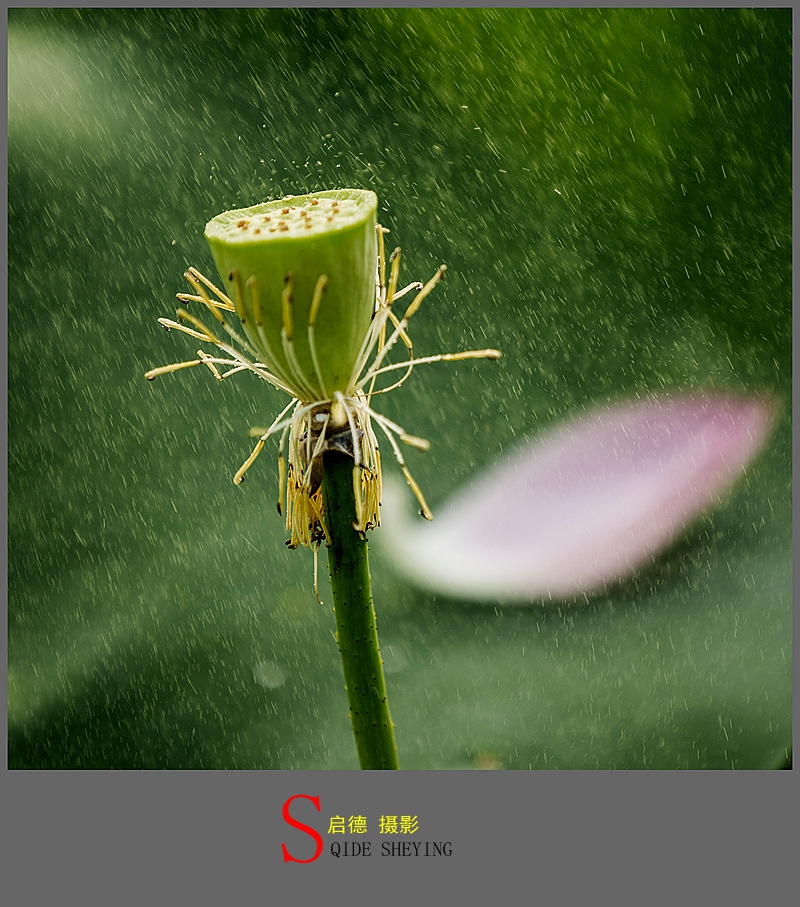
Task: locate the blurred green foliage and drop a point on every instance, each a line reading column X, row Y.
column 612, row 193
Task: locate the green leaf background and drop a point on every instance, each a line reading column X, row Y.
column 611, row 191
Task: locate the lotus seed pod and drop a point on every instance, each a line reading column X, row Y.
column 301, row 273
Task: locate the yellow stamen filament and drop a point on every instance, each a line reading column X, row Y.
column 286, row 309
column 272, row 362
column 239, row 477
column 441, row 357
column 319, row 291
column 425, row 510
column 188, row 297
column 210, row 363
column 238, row 296
column 382, row 231
column 287, row 337
column 223, row 302
column 418, row 299
column 166, row 369
column 394, row 276
column 276, row 425
column 174, row 325
column 186, row 316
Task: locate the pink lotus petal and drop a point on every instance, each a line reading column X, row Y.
column 588, row 503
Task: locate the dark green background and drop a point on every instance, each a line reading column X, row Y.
column 612, row 194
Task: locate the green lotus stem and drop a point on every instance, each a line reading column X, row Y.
column 356, row 627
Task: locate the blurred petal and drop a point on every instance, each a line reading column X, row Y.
column 585, row 505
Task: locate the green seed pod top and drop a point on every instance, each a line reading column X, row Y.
column 301, row 273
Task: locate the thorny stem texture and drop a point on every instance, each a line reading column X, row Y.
column 356, row 630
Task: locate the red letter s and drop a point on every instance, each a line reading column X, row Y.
column 301, row 827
